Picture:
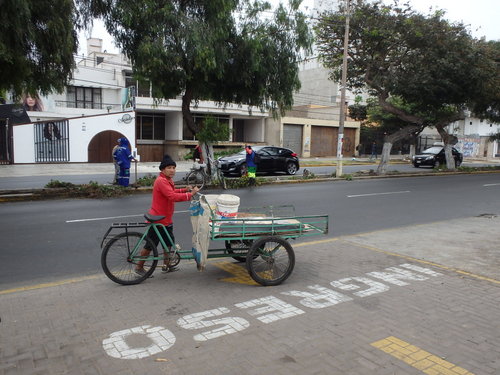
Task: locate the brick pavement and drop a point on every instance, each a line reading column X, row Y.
column 308, row 325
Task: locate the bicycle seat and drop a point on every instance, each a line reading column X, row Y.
column 153, row 218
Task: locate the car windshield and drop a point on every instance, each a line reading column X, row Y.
column 432, row 150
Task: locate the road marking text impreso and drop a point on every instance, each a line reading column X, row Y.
column 215, row 323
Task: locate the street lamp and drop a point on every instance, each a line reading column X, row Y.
column 340, row 140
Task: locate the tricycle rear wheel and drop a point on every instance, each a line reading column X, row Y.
column 116, row 258
column 270, row 260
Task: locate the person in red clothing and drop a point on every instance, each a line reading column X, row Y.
column 164, row 197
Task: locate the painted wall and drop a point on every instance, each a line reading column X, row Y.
column 469, row 145
column 81, row 132
column 173, row 126
column 254, row 130
column 474, row 126
column 24, row 143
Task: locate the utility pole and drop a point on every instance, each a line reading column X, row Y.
column 340, row 140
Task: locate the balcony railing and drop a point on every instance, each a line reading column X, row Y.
column 88, row 105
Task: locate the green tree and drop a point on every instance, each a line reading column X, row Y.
column 376, row 123
column 434, row 68
column 220, row 50
column 37, row 43
column 492, row 107
column 227, row 51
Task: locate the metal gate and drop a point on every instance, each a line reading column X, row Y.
column 292, row 138
column 5, row 141
column 51, row 141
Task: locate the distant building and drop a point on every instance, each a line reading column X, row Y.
column 104, row 102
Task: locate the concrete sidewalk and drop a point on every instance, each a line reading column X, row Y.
column 21, row 170
column 413, row 300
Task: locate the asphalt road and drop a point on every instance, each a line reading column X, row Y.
column 48, row 240
column 38, row 182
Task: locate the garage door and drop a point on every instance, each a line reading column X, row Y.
column 324, row 141
column 292, row 138
column 349, row 142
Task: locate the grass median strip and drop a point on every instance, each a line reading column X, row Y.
column 418, row 358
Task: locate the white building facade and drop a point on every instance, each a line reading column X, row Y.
column 89, row 117
column 103, row 103
column 473, row 137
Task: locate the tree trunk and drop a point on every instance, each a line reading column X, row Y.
column 186, row 110
column 412, row 150
column 389, row 140
column 209, row 158
column 450, row 161
column 384, row 158
column 449, row 140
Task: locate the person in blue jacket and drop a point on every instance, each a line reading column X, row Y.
column 123, row 156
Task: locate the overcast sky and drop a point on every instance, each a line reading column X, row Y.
column 482, row 16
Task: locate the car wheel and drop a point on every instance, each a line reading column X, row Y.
column 458, row 163
column 437, row 164
column 243, row 169
column 291, row 167
column 416, row 165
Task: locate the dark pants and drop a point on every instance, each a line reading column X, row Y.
column 154, row 237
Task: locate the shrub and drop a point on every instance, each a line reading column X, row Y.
column 94, row 190
column 147, row 180
column 59, row 184
column 244, row 181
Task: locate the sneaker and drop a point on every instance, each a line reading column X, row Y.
column 166, row 269
column 141, row 272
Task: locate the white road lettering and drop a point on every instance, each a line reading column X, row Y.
column 282, row 309
column 312, row 300
column 395, row 276
column 228, row 324
column 420, row 269
column 272, row 309
column 116, row 346
column 374, row 286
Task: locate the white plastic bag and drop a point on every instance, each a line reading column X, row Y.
column 200, row 218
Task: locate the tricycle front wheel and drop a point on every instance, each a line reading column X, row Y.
column 118, row 263
column 270, row 260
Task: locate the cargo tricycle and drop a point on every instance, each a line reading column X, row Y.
column 258, row 236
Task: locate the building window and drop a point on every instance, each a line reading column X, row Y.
column 84, row 97
column 150, row 126
column 142, row 87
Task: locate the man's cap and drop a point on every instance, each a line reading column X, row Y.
column 167, row 160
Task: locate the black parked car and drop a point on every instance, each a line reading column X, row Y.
column 434, row 157
column 271, row 159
